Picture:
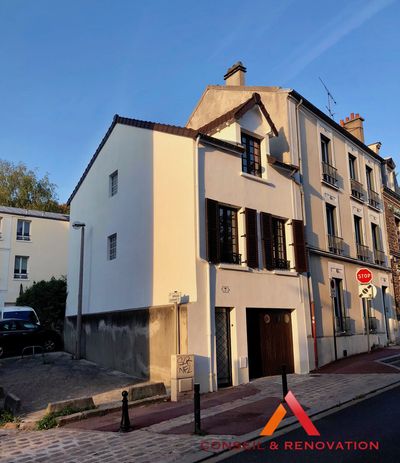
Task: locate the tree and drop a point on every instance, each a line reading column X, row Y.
column 21, row 187
column 48, row 298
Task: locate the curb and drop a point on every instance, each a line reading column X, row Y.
column 254, row 435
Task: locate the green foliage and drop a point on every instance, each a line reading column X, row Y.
column 48, row 298
column 49, row 421
column 6, row 417
column 21, row 187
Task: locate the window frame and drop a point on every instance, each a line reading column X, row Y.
column 20, row 275
column 246, row 140
column 228, row 240
column 112, row 246
column 279, row 248
column 113, row 183
column 23, row 236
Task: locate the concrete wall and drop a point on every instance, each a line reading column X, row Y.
column 47, row 252
column 138, row 342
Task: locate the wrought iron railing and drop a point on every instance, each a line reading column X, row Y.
column 23, row 237
column 374, row 199
column 379, row 257
column 343, row 325
column 356, row 189
column 329, row 174
column 21, row 276
column 230, row 257
column 335, row 244
column 363, row 252
column 282, row 264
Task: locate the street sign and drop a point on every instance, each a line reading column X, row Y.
column 367, row 291
column 175, row 297
column 364, row 276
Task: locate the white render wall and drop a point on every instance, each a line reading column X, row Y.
column 47, row 251
column 153, row 215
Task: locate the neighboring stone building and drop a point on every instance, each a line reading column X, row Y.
column 33, row 247
column 391, row 197
column 215, row 218
column 340, row 181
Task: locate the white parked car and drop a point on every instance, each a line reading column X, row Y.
column 20, row 313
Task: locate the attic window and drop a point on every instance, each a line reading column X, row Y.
column 251, row 157
column 113, row 183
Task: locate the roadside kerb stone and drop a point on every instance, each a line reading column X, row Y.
column 12, row 404
column 144, row 390
column 80, row 403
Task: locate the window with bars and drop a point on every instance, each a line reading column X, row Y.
column 113, row 179
column 21, row 267
column 228, row 235
column 251, row 157
column 279, row 243
column 112, row 247
column 23, row 230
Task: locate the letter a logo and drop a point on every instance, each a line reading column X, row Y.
column 297, row 410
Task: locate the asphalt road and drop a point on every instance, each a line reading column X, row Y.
column 374, row 419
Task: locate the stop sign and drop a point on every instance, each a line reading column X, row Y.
column 364, row 275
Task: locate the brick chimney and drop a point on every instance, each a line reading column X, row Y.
column 354, row 125
column 235, row 75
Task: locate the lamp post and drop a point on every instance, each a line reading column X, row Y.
column 81, row 226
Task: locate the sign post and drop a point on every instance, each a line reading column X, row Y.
column 364, row 276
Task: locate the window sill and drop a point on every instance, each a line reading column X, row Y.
column 255, row 178
column 236, row 267
column 286, row 273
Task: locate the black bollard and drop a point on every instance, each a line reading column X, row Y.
column 197, row 425
column 284, row 382
column 125, row 425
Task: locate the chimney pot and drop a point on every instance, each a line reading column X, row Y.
column 347, row 119
column 235, row 75
column 342, row 122
column 354, row 125
column 357, row 115
column 352, row 116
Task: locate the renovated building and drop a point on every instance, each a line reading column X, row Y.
column 208, row 214
column 33, row 247
column 339, row 180
column 391, row 198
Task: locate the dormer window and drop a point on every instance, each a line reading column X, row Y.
column 251, row 157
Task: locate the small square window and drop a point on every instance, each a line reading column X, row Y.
column 114, row 183
column 112, row 247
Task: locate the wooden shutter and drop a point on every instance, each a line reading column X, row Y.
column 213, row 248
column 251, row 238
column 267, row 237
column 300, row 253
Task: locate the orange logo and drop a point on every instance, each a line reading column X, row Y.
column 297, row 410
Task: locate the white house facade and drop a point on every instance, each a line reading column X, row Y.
column 33, row 247
column 208, row 213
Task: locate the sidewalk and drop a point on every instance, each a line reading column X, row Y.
column 162, row 432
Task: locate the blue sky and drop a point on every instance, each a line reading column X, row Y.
column 67, row 67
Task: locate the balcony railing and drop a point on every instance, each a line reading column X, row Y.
column 343, row 325
column 373, row 199
column 282, row 264
column 20, row 276
column 329, row 174
column 379, row 257
column 357, row 190
column 335, row 244
column 363, row 252
column 23, row 237
column 230, row 257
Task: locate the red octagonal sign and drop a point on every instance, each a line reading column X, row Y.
column 364, row 276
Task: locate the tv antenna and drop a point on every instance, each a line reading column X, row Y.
column 331, row 100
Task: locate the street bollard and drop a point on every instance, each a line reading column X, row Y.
column 125, row 425
column 284, row 383
column 197, row 425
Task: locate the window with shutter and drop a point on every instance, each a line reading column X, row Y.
column 300, row 253
column 251, row 238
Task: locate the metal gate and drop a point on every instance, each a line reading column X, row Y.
column 223, row 346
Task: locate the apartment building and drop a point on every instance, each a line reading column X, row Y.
column 391, row 198
column 208, row 213
column 33, row 247
column 339, row 179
